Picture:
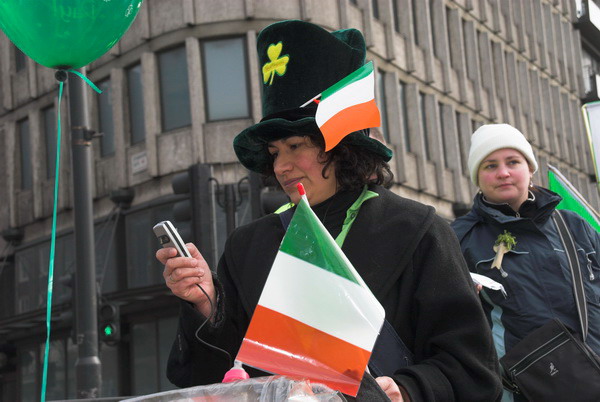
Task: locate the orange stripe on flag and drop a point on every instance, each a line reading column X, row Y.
column 354, row 118
column 282, row 345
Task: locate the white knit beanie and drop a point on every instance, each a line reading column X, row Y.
column 492, row 137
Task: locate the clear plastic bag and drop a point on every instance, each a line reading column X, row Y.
column 261, row 389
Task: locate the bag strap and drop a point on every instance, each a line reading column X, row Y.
column 571, row 251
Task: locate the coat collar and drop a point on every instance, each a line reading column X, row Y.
column 545, row 201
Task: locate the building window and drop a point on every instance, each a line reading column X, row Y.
column 143, row 269
column 382, row 104
column 424, row 125
column 415, row 21
column 591, row 67
column 225, row 79
column 20, row 60
column 136, row 104
column 151, row 343
column 28, row 358
column 461, row 145
column 396, row 15
column 109, row 356
column 434, row 32
column 375, row 6
column 7, row 288
column 404, row 114
column 105, row 118
column 49, row 122
column 25, row 154
column 233, row 209
column 174, row 89
column 61, row 370
column 444, row 139
column 57, row 369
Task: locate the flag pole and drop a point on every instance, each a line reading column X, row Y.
column 309, row 101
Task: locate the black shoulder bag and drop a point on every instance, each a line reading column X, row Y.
column 551, row 364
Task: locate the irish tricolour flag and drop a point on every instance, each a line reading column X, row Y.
column 348, row 106
column 571, row 198
column 316, row 319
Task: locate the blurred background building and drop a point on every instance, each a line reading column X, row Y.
column 184, row 80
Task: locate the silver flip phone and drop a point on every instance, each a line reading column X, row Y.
column 169, row 237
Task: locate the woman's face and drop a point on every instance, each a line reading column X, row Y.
column 297, row 160
column 504, row 177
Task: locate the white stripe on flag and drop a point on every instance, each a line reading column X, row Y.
column 322, row 300
column 356, row 93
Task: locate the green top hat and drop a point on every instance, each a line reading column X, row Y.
column 299, row 60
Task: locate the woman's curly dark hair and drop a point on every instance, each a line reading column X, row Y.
column 354, row 165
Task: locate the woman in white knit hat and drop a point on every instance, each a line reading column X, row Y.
column 535, row 272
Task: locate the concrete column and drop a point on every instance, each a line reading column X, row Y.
column 254, row 71
column 440, row 41
column 513, row 89
column 6, row 72
column 416, row 133
column 150, row 88
column 10, row 157
column 407, row 32
column 37, row 144
column 472, row 60
column 457, row 51
column 501, row 86
column 539, row 32
column 434, row 134
column 449, row 129
column 197, row 104
column 395, row 124
column 118, row 90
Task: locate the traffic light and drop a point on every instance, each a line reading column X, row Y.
column 110, row 323
column 192, row 214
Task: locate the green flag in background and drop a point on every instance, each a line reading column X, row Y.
column 572, row 199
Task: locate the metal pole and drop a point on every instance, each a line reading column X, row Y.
column 229, row 208
column 87, row 366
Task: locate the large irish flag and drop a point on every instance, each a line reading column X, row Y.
column 316, row 319
column 348, row 106
column 571, row 198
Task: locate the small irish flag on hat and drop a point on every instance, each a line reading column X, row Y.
column 316, row 319
column 347, row 106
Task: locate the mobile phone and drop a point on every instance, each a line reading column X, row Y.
column 169, row 237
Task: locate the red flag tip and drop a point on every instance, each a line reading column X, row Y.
column 300, row 188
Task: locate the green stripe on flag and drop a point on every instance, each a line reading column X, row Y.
column 306, row 238
column 359, row 74
column 571, row 200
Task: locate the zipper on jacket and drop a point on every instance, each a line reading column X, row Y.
column 589, row 267
column 537, row 354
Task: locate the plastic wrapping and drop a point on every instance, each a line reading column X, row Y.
column 261, row 389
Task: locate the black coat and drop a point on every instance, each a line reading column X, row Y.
column 411, row 261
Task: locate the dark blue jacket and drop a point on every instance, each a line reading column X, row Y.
column 538, row 285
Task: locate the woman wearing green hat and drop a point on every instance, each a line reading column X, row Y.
column 408, row 256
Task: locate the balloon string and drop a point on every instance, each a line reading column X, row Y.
column 53, row 234
column 52, row 247
column 86, row 79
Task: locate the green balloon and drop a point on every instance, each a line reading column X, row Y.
column 66, row 33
